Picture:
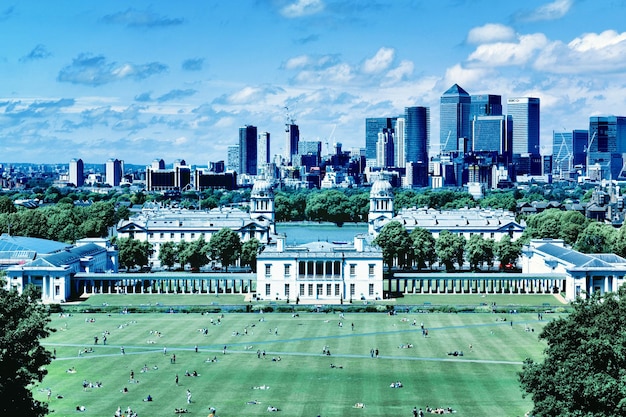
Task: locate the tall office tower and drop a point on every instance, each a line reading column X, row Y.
column 416, row 134
column 373, row 125
column 399, row 143
column 233, row 161
column 248, row 150
column 292, row 138
column 580, row 139
column 490, row 134
column 114, row 170
column 158, row 164
column 562, row 154
column 607, row 146
column 263, row 150
column 77, row 172
column 384, row 149
column 485, row 105
column 525, row 114
column 454, row 118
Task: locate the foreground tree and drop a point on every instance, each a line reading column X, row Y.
column 249, row 251
column 168, row 254
column 193, row 254
column 133, row 252
column 423, row 247
column 225, row 246
column 583, row 372
column 23, row 323
column 450, row 248
column 507, row 251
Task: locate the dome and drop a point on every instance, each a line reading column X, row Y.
column 381, row 188
column 262, row 188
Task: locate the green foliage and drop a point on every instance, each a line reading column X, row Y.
column 23, row 323
column 479, row 250
column 596, row 238
column 168, row 254
column 450, row 249
column 133, row 252
column 395, row 243
column 423, row 247
column 583, row 370
column 330, row 206
column 556, row 224
column 194, row 253
column 507, row 251
column 249, row 251
column 6, row 205
column 225, row 246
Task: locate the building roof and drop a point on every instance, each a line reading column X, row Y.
column 578, row 261
column 321, row 250
column 31, row 244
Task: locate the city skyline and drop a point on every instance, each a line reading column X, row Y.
column 177, row 81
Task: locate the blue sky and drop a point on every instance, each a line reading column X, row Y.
column 175, row 80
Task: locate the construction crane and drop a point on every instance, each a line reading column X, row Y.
column 290, row 120
column 329, row 138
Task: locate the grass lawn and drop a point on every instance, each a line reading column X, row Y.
column 481, row 382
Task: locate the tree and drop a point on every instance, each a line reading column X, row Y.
column 423, row 247
column 133, row 252
column 582, row 373
column 479, row 250
column 395, row 242
column 225, row 246
column 23, row 323
column 508, row 251
column 193, row 253
column 6, row 205
column 168, row 255
column 249, row 251
column 332, row 206
column 449, row 248
column 596, row 238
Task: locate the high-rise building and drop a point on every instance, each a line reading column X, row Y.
column 374, row 125
column 263, row 150
column 292, row 138
column 233, row 162
column 525, row 112
column 562, row 153
column 248, row 150
column 485, row 105
column 385, row 149
column 399, row 143
column 416, row 134
column 77, row 172
column 454, row 117
column 114, row 171
column 490, row 134
column 607, row 145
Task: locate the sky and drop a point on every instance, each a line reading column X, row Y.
column 146, row 80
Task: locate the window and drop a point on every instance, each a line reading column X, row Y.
column 251, row 234
column 57, row 290
column 371, row 269
column 320, row 289
column 492, row 235
column 371, row 290
column 337, row 290
column 161, row 235
column 182, row 236
column 286, row 290
column 302, row 289
column 352, row 270
column 193, row 235
column 287, row 270
column 329, row 289
column 171, row 235
column 310, row 290
column 268, row 290
column 150, row 235
column 268, row 269
column 352, row 291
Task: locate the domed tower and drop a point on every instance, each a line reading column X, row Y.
column 262, row 202
column 381, row 205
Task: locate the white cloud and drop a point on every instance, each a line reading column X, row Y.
column 491, row 32
column 550, row 11
column 302, row 8
column 297, row 62
column 465, row 76
column 509, row 53
column 400, row 72
column 379, row 62
column 593, row 52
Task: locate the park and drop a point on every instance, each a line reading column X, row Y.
column 305, row 361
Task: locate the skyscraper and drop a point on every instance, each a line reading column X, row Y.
column 263, row 150
column 292, row 138
column 114, row 170
column 373, row 125
column 607, row 145
column 485, row 105
column 454, row 117
column 248, row 149
column 233, row 162
column 525, row 114
column 416, row 134
column 490, row 134
column 385, row 149
column 77, row 174
column 399, row 143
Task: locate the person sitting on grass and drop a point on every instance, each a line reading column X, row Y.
column 180, row 411
column 148, row 398
column 359, row 405
column 80, row 408
column 271, row 408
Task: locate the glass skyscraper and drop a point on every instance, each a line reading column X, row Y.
column 292, row 139
column 525, row 114
column 417, row 133
column 374, row 125
column 607, row 145
column 248, row 150
column 454, row 117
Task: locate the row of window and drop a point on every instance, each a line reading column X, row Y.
column 330, row 290
column 192, row 235
column 318, row 271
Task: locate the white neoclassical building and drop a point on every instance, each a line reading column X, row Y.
column 159, row 225
column 581, row 274
column 490, row 224
column 325, row 271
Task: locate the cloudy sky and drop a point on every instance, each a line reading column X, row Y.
column 175, row 80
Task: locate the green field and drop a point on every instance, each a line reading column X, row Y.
column 481, row 382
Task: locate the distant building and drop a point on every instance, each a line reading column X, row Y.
column 114, row 171
column 454, row 117
column 248, row 150
column 263, row 151
column 607, row 146
column 292, row 140
column 77, row 172
column 233, row 161
column 161, row 179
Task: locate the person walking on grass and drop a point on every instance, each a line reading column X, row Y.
column 188, row 397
